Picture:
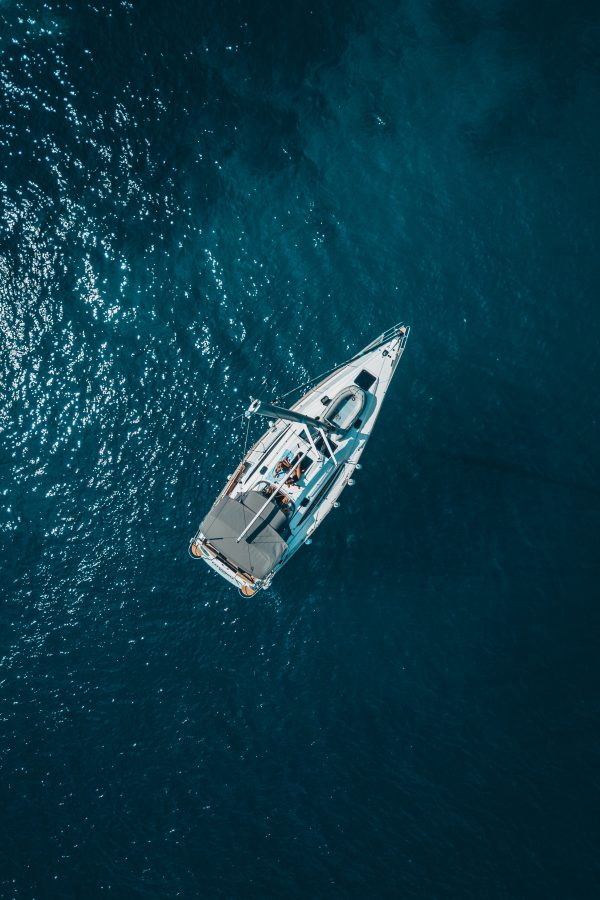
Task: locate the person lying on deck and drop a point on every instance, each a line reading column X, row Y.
column 295, row 475
column 286, row 464
column 283, row 464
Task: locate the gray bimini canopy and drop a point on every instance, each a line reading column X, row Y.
column 262, row 547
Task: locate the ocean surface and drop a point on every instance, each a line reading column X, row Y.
column 203, row 202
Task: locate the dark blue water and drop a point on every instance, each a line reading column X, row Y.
column 206, row 201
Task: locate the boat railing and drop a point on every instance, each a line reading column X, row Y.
column 399, row 329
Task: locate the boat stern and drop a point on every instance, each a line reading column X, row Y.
column 201, row 549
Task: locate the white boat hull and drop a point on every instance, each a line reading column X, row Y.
column 309, row 498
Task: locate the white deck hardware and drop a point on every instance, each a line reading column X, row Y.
column 311, row 442
column 329, row 447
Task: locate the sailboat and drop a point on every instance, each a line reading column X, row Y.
column 294, row 474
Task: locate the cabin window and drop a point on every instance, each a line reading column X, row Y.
column 364, row 380
column 306, row 464
column 321, row 446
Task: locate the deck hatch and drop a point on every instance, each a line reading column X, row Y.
column 364, row 380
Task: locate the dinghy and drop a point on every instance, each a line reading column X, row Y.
column 293, row 476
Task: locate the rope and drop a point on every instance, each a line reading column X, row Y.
column 246, row 441
column 362, row 352
column 311, row 381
